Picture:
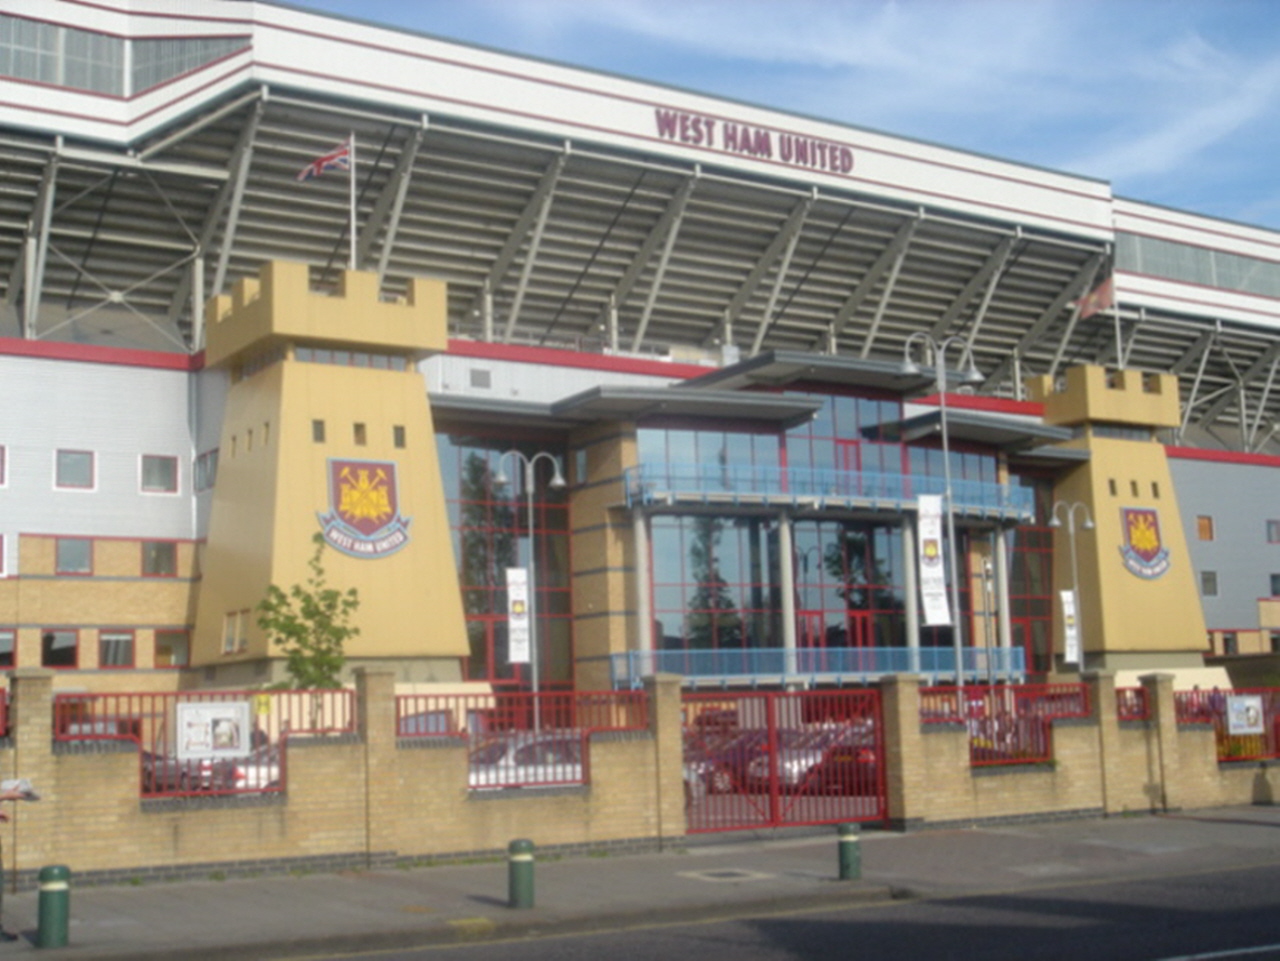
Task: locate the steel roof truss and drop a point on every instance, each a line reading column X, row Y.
column 989, row 274
column 867, row 283
column 791, row 232
column 541, row 202
column 656, row 285
column 1242, row 380
column 886, row 293
column 389, row 206
column 1251, row 434
column 241, row 160
column 667, row 225
column 27, row 276
column 1082, row 280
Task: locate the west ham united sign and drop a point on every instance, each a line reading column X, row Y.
column 1142, row 552
column 364, row 513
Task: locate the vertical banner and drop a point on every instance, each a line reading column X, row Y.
column 933, row 576
column 518, row 615
column 1070, row 628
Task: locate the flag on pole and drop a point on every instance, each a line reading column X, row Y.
column 1099, row 299
column 339, row 158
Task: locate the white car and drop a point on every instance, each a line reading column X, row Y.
column 260, row 771
column 526, row 759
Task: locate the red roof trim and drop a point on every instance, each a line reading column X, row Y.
column 994, row 405
column 1222, row 456
column 553, row 357
column 91, row 354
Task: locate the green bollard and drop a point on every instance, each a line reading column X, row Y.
column 850, row 853
column 54, row 906
column 520, row 874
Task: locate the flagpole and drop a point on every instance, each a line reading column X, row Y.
column 351, row 257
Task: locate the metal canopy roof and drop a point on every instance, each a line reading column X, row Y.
column 578, row 245
column 988, row 429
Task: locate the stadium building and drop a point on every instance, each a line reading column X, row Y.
column 751, row 397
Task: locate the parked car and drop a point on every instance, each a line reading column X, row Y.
column 526, row 758
column 838, row 759
column 260, row 771
column 166, row 774
column 720, row 762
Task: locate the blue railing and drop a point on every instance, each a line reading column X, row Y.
column 667, row 482
column 817, row 665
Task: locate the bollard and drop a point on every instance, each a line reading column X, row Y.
column 850, row 853
column 54, row 906
column 520, row 874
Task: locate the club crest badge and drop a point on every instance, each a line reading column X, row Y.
column 1143, row 554
column 364, row 512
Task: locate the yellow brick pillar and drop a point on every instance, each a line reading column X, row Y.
column 666, row 725
column 1164, row 737
column 905, row 777
column 32, row 834
column 1102, row 696
column 376, row 723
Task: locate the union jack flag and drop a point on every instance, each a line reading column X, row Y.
column 339, row 158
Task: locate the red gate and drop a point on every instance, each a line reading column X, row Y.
column 759, row 760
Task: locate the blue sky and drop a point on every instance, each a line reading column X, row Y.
column 1175, row 102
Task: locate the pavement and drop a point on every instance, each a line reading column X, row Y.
column 716, row 876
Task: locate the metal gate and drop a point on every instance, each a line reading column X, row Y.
column 759, row 760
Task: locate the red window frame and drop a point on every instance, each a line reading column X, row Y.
column 93, row 471
column 142, row 474
column 133, row 649
column 143, row 548
column 44, row 652
column 57, row 567
column 176, row 665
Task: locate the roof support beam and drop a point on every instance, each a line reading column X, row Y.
column 659, row 275
column 1194, row 352
column 989, row 274
column 27, row 276
column 389, row 206
column 868, row 282
column 1251, row 434
column 886, row 292
column 537, row 211
column 1077, row 284
column 1222, row 403
column 234, row 199
column 790, row 236
column 667, row 224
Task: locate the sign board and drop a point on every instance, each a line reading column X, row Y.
column 933, row 575
column 211, row 730
column 1244, row 714
column 518, row 615
column 1070, row 628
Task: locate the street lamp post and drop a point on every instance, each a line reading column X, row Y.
column 500, row 479
column 1068, row 510
column 937, row 350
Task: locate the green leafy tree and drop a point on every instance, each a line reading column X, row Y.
column 311, row 624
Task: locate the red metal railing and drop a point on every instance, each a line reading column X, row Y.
column 522, row 739
column 1132, row 704
column 203, row 742
column 4, row 712
column 1007, row 724
column 1246, row 721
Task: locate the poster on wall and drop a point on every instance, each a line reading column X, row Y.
column 209, row 730
column 1070, row 628
column 518, row 615
column 1244, row 714
column 933, row 575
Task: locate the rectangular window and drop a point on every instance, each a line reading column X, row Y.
column 159, row 474
column 59, row 648
column 1273, row 532
column 1275, row 642
column 1111, row 486
column 115, row 649
column 1204, row 528
column 73, row 555
column 397, row 435
column 74, row 470
column 317, row 431
column 4, row 570
column 359, row 435
column 1209, row 583
column 1275, row 585
column 206, row 473
column 3, row 475
column 159, row 558
column 235, row 628
column 8, row 645
column 1230, row 644
column 173, row 649
column 1155, row 490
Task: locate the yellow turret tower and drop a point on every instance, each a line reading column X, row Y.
column 1139, row 606
column 328, row 430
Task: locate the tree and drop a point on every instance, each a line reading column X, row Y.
column 311, row 624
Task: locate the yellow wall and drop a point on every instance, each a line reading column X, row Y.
column 1090, row 393
column 273, row 487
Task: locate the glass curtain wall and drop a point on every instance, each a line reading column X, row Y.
column 490, row 529
column 1031, row 579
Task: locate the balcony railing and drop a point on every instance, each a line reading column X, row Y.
column 809, row 665
column 672, row 483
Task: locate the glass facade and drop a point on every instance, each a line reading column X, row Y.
column 491, row 532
